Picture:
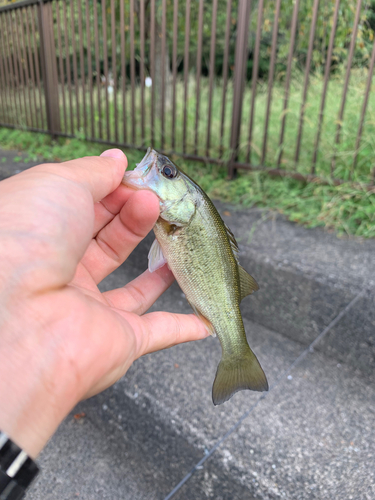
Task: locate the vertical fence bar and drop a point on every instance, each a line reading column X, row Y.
column 55, row 98
column 241, row 44
column 325, row 86
column 24, row 66
column 114, row 64
column 287, row 81
column 346, row 83
column 3, row 85
column 75, row 70
column 152, row 70
column 163, row 71
column 271, row 73
column 364, row 107
column 17, row 45
column 89, row 65
column 123, row 69
column 325, row 23
column 225, row 73
column 9, row 74
column 17, row 64
column 67, row 63
column 306, row 81
column 61, row 65
column 174, row 70
column 31, row 63
column 37, row 67
column 105, row 58
column 254, row 79
column 13, row 59
column 186, row 70
column 142, row 67
column 97, row 69
column 49, row 68
column 132, row 68
column 82, row 67
column 211, row 73
column 28, row 65
column 4, row 75
column 198, row 73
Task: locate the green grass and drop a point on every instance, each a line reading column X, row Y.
column 345, row 209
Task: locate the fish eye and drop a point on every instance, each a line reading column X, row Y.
column 169, row 171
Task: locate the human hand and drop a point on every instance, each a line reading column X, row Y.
column 63, row 228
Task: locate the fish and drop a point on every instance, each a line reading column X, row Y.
column 202, row 253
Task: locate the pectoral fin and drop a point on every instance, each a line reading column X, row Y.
column 247, row 282
column 156, row 258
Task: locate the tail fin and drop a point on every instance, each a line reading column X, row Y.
column 236, row 374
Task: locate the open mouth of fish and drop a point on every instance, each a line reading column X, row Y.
column 142, row 177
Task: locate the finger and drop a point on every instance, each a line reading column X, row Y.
column 160, row 330
column 111, row 205
column 107, row 208
column 117, row 240
column 142, row 335
column 139, row 295
column 100, row 175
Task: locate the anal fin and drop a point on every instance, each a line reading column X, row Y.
column 247, row 282
column 207, row 323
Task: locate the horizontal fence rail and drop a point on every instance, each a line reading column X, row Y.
column 283, row 87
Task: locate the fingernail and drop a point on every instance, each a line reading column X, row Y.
column 114, row 153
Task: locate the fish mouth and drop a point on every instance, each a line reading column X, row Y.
column 141, row 176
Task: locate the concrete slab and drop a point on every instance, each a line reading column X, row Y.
column 311, row 437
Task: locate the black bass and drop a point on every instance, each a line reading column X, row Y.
column 202, row 253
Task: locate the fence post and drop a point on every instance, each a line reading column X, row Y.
column 49, row 67
column 244, row 8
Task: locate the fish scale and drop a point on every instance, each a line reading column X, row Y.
column 203, row 256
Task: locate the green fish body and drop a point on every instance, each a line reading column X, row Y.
column 203, row 255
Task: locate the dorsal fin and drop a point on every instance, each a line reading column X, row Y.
column 247, row 282
column 233, row 243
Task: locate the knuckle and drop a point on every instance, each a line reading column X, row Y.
column 107, row 248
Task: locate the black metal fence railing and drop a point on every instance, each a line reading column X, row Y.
column 233, row 82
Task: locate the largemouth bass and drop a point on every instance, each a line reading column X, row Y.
column 202, row 253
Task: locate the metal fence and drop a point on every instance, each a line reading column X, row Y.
column 187, row 77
